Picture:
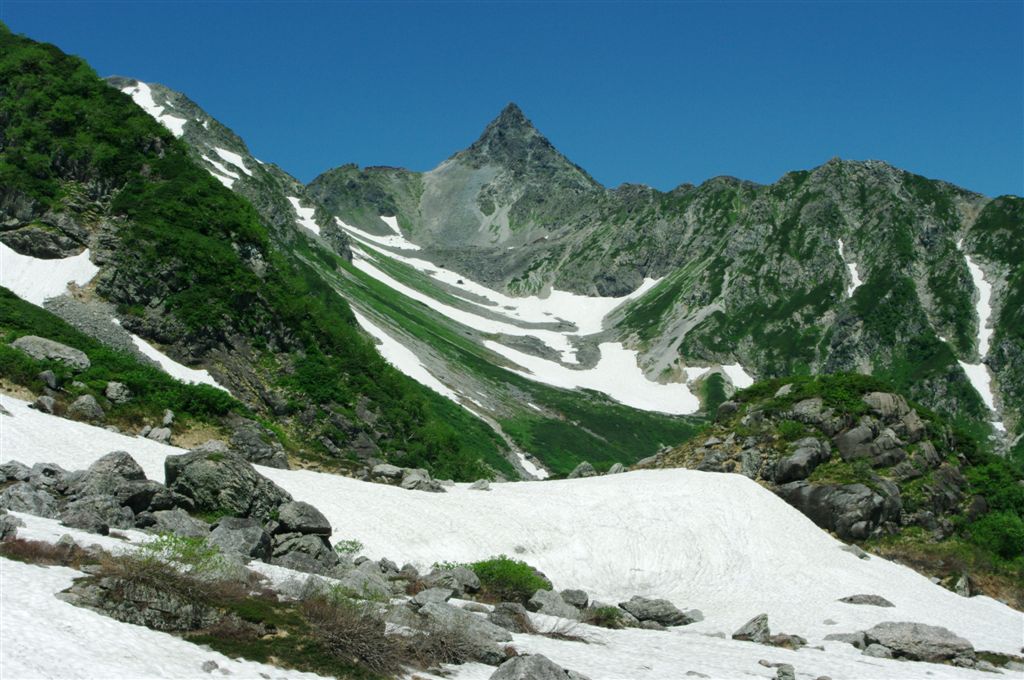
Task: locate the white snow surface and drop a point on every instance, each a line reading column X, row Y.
column 979, row 374
column 143, row 96
column 616, row 374
column 305, row 215
column 173, row 368
column 392, row 222
column 44, row 637
column 35, row 280
column 223, row 174
column 366, row 238
column 855, row 281
column 713, row 541
column 403, row 358
column 234, row 159
column 739, row 377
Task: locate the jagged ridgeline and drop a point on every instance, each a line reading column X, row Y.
column 191, row 267
column 852, row 266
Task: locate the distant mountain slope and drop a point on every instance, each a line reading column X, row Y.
column 193, row 269
column 851, row 266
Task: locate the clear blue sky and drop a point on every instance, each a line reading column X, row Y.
column 658, row 93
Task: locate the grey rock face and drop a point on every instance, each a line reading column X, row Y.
column 886, row 405
column 432, row 595
column 304, row 552
column 483, row 636
column 159, row 609
column 416, row 479
column 303, row 518
column 243, row 536
column 754, row 630
column 45, row 404
column 920, row 642
column 387, row 471
column 660, row 611
column 14, row 470
column 258, row 445
column 9, row 525
column 159, row 434
column 107, row 475
column 551, row 603
column 809, row 453
column 855, row 639
column 511, row 616
column 460, row 579
column 576, row 598
column 86, row 409
column 533, row 667
column 49, row 477
column 97, row 514
column 852, row 511
column 616, row 468
column 856, row 443
column 366, row 581
column 177, row 521
column 480, row 485
column 874, row 600
column 44, row 349
column 23, row 497
column 219, row 481
column 584, row 469
column 117, row 392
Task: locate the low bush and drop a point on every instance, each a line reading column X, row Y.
column 355, row 631
column 1000, row 532
column 503, row 579
column 605, row 617
column 48, row 554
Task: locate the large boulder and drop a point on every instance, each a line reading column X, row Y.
column 460, row 579
column 551, row 603
column 86, row 409
column 431, row 595
column 310, row 553
column 662, row 612
column 857, row 442
column 416, row 479
column 584, row 469
column 511, row 616
column 920, row 642
column 97, row 514
column 49, row 477
column 852, row 511
column 106, row 476
column 754, row 630
column 175, row 521
column 808, row 454
column 365, row 580
column 44, row 349
column 224, row 482
column 888, row 406
column 14, row 470
column 481, row 637
column 23, row 497
column 242, row 536
column 534, row 667
column 303, row 518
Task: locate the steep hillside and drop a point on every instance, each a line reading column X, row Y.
column 864, row 464
column 852, row 266
column 191, row 269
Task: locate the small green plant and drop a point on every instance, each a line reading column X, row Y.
column 605, row 617
column 504, row 579
column 185, row 553
column 790, row 430
column 349, row 546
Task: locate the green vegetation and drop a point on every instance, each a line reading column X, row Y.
column 841, row 391
column 605, row 617
column 349, row 546
column 152, row 390
column 503, row 579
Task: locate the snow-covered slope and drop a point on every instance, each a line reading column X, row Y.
column 716, row 542
column 36, row 280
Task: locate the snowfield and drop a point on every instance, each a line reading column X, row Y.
column 304, row 216
column 142, row 94
column 716, row 542
column 172, row 367
column 978, row 374
column 855, row 281
column 35, row 280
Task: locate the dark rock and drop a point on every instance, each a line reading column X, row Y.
column 43, row 349
column 576, row 598
column 23, row 497
column 726, row 409
column 223, row 482
column 49, row 477
column 482, row 637
column 97, row 514
column 533, row 667
column 873, row 600
column 309, row 553
column 754, row 630
column 856, row 443
column 303, row 518
column 49, row 379
column 661, row 611
column 86, row 409
column 258, row 445
column 511, row 616
column 584, row 469
column 14, row 470
column 852, row 511
column 808, row 454
column 243, row 536
column 45, row 404
column 177, row 521
column 137, row 602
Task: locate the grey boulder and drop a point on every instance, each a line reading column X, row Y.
column 584, row 469
column 416, row 479
column 919, row 642
column 431, row 595
column 177, row 521
column 482, row 637
column 258, row 445
column 511, row 616
column 534, row 667
column 14, row 470
column 301, row 517
column 44, row 349
column 576, row 598
column 657, row 610
column 874, row 600
column 304, row 552
column 459, row 579
column 551, row 603
column 754, row 630
column 85, row 409
column 222, row 481
column 808, row 454
column 117, row 392
column 23, row 497
column 97, row 514
column 242, row 536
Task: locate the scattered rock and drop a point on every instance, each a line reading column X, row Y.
column 511, row 616
column 23, row 497
column 417, row 479
column 97, row 514
column 873, row 600
column 160, row 434
column 14, row 470
column 754, row 630
column 49, row 379
column 616, row 468
column 242, row 536
column 920, row 642
column 85, row 408
column 168, row 418
column 177, row 521
column 117, row 392
column 481, row 636
column 584, row 469
column 576, row 598
column 313, row 554
column 303, row 518
column 258, row 445
column 480, row 485
column 45, row 404
column 459, row 579
column 533, row 667
column 387, row 471
column 856, row 639
column 44, row 349
column 431, row 595
column 785, row 672
column 9, row 525
column 661, row 611
column 551, row 603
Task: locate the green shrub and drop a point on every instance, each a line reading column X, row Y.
column 185, row 553
column 1000, row 532
column 791, row 430
column 504, row 579
column 605, row 617
column 350, row 546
